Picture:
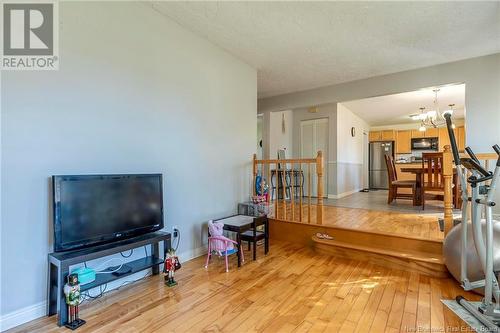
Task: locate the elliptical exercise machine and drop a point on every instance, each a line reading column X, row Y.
column 481, row 200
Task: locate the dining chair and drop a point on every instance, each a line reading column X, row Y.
column 395, row 184
column 253, row 236
column 433, row 180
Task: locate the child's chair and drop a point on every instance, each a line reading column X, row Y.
column 219, row 244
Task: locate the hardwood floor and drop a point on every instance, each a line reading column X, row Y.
column 403, row 224
column 408, row 224
column 291, row 289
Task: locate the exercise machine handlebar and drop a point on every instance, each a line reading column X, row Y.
column 471, row 154
column 496, row 148
column 453, row 141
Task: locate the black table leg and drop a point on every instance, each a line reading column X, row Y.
column 62, row 273
column 156, row 254
column 238, row 240
column 52, row 289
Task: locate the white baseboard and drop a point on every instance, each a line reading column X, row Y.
column 32, row 312
column 22, row 316
column 341, row 195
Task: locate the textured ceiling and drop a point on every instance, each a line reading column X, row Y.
column 396, row 109
column 302, row 45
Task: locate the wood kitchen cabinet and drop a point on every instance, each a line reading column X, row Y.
column 375, row 136
column 388, row 135
column 428, row 133
column 431, row 133
column 460, row 133
column 417, row 134
column 403, row 137
column 403, row 142
column 444, row 140
column 385, row 135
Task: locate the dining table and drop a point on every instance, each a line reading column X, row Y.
column 419, row 173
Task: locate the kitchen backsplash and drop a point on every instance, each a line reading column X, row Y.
column 415, row 155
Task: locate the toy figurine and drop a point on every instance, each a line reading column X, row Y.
column 261, row 190
column 264, row 189
column 172, row 264
column 72, row 292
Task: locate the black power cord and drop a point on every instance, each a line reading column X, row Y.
column 127, row 256
column 103, row 290
column 178, row 238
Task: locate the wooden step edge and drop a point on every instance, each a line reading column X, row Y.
column 415, row 256
column 372, row 232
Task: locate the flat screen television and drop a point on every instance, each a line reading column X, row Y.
column 94, row 209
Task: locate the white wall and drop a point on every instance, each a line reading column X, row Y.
column 135, row 93
column 349, row 151
column 279, row 139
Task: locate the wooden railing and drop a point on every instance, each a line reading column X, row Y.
column 290, row 176
column 487, row 160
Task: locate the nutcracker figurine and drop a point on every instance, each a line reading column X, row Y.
column 172, row 264
column 72, row 292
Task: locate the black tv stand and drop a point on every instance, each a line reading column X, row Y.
column 59, row 262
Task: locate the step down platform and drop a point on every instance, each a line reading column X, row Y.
column 430, row 264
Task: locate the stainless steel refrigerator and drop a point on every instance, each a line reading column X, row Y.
column 377, row 167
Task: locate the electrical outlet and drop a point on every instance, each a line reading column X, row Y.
column 175, row 231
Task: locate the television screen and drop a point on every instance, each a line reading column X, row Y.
column 99, row 208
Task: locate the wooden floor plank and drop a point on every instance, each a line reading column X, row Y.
column 398, row 303
column 293, row 289
column 424, row 303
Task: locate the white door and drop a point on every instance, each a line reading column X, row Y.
column 314, row 137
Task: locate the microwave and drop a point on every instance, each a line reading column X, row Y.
column 424, row 144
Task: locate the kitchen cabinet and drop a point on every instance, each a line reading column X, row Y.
column 403, row 142
column 428, row 133
column 375, row 136
column 403, row 137
column 431, row 133
column 460, row 133
column 385, row 135
column 388, row 135
column 417, row 134
column 444, row 139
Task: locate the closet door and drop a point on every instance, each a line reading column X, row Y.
column 314, row 137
